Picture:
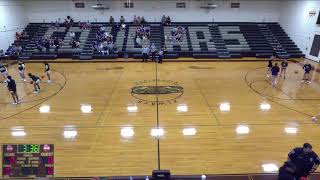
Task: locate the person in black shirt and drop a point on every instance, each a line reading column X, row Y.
column 3, row 71
column 284, row 66
column 35, row 80
column 304, row 159
column 21, row 69
column 306, row 77
column 270, row 65
column 11, row 84
column 47, row 71
column 274, row 71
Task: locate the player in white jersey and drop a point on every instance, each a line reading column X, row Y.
column 21, row 69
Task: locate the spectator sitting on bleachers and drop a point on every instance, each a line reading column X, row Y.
column 75, row 44
column 18, row 35
column 178, row 33
column 47, row 44
column 123, row 26
column 142, row 34
column 40, row 45
column 72, row 34
column 14, row 50
column 57, row 43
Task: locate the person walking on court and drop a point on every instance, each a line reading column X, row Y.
column 11, row 84
column 3, row 71
column 47, row 71
column 153, row 50
column 21, row 69
column 145, row 54
column 270, row 66
column 35, row 80
column 160, row 55
column 274, row 72
column 302, row 161
column 284, row 66
column 306, row 76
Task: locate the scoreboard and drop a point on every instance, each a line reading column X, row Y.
column 27, row 160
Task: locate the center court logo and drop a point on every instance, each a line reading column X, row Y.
column 156, row 91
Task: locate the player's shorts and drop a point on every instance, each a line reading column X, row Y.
column 4, row 72
column 48, row 72
column 306, row 72
column 21, row 71
column 37, row 81
column 13, row 90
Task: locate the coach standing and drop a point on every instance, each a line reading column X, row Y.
column 303, row 161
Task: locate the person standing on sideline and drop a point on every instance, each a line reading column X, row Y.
column 153, row 50
column 160, row 55
column 302, row 161
column 11, row 84
column 145, row 54
column 3, row 71
column 21, row 69
column 47, row 71
column 274, row 72
column 35, row 80
column 306, row 76
column 284, row 66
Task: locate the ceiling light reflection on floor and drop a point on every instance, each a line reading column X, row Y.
column 44, row 109
column 225, row 107
column 86, row 108
column 127, row 132
column 242, row 129
column 157, row 132
column 189, row 131
column 270, row 167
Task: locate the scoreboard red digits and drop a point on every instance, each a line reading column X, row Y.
column 27, row 160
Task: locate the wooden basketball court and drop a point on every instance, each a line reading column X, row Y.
column 217, row 117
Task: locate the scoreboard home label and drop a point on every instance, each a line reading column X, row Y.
column 27, row 160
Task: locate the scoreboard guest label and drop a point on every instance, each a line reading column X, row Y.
column 27, row 160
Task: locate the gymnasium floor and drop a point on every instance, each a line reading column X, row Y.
column 217, row 99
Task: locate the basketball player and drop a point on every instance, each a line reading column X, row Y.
column 284, row 66
column 270, row 65
column 21, row 69
column 274, row 72
column 47, row 71
column 11, row 84
column 35, row 80
column 3, row 71
column 306, row 77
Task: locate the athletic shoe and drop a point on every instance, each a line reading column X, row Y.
column 309, row 82
column 14, row 103
column 49, row 81
column 35, row 92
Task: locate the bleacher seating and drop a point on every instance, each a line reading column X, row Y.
column 201, row 40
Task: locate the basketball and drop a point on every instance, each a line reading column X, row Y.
column 42, row 77
column 296, row 72
column 31, row 82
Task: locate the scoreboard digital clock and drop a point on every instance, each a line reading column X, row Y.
column 27, row 160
